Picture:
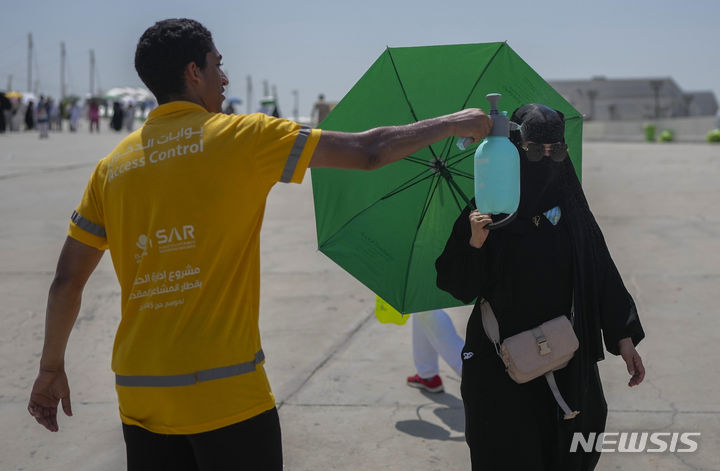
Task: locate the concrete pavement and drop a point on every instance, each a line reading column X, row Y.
column 338, row 374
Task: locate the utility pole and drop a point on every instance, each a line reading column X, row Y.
column 296, row 107
column 266, row 88
column 9, row 87
column 249, row 94
column 30, row 55
column 62, row 70
column 92, row 72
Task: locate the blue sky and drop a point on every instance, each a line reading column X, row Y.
column 325, row 46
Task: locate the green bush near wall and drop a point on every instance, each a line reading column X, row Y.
column 713, row 136
column 650, row 132
column 668, row 135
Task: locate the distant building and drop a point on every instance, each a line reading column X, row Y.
column 606, row 99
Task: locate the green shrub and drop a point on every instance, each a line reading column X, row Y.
column 650, row 132
column 713, row 136
column 667, row 136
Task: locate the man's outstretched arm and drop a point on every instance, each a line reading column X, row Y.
column 77, row 261
column 380, row 146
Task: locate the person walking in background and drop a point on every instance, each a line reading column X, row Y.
column 55, row 115
column 433, row 335
column 5, row 108
column 116, row 122
column 43, row 117
column 129, row 117
column 187, row 357
column 30, row 116
column 74, row 115
column 16, row 114
column 320, row 110
column 94, row 116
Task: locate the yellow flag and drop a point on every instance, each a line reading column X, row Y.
column 386, row 314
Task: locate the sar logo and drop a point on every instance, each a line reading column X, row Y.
column 175, row 238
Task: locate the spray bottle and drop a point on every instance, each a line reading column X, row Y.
column 497, row 168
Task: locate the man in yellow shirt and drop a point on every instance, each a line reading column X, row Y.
column 179, row 204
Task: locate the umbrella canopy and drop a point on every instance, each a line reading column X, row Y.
column 387, row 227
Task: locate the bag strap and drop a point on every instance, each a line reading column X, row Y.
column 569, row 414
column 490, row 326
column 490, row 323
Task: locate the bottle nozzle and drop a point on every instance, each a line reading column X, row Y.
column 493, row 98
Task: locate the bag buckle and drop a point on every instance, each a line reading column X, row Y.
column 544, row 347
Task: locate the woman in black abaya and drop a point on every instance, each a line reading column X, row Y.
column 530, row 271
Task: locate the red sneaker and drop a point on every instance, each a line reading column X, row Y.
column 433, row 385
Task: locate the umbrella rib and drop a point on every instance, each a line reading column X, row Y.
column 407, row 100
column 452, row 193
column 417, row 160
column 454, row 159
column 426, row 206
column 408, row 184
column 446, row 149
column 460, row 173
column 472, row 90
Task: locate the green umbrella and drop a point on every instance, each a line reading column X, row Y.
column 387, row 227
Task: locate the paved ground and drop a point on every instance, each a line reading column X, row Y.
column 337, row 373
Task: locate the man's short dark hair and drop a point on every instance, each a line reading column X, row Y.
column 165, row 49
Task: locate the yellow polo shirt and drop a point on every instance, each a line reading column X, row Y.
column 180, row 204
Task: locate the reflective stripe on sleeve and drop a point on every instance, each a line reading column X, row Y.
column 88, row 226
column 295, row 154
column 191, row 378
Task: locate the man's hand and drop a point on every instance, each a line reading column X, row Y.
column 77, row 261
column 472, row 122
column 50, row 388
column 478, row 223
column 632, row 360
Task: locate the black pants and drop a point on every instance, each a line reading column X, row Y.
column 253, row 445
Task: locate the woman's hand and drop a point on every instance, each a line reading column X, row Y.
column 632, row 360
column 478, row 221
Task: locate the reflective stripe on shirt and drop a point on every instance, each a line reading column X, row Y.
column 191, row 378
column 88, row 226
column 295, row 154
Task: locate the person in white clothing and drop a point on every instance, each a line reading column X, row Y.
column 434, row 335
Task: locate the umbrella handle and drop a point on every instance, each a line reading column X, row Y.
column 502, row 223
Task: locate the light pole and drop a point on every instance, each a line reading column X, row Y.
column 249, row 94
column 92, row 73
column 30, row 48
column 62, row 70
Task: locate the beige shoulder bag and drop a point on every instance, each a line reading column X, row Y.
column 535, row 352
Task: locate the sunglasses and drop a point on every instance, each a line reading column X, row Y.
column 535, row 152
